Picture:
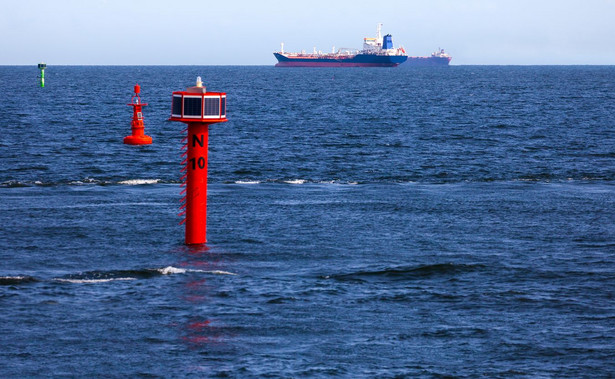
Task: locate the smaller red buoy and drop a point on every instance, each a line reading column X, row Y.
column 138, row 136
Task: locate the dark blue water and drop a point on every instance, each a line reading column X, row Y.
column 362, row 223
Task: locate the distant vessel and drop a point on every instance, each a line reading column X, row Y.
column 377, row 52
column 437, row 58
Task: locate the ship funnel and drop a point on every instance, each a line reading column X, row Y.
column 387, row 42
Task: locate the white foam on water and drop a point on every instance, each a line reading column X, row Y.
column 85, row 181
column 295, row 181
column 339, row 183
column 171, row 270
column 174, row 270
column 92, row 280
column 215, row 272
column 136, row 182
column 247, row 182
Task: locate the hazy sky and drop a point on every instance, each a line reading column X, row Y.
column 236, row 32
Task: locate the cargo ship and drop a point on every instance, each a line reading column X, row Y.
column 437, row 58
column 377, row 52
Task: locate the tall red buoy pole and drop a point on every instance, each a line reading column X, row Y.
column 138, row 136
column 197, row 108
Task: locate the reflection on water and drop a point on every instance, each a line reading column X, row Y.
column 200, row 331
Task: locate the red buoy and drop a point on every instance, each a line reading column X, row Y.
column 138, row 136
column 199, row 109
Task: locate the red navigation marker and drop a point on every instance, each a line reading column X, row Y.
column 138, row 136
column 197, row 108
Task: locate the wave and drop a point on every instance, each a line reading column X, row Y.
column 110, row 276
column 137, row 182
column 369, row 181
column 407, row 272
column 91, row 280
column 169, row 270
column 402, row 180
column 83, row 182
column 292, row 181
column 107, row 276
column 12, row 280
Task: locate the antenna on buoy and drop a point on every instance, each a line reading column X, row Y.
column 199, row 109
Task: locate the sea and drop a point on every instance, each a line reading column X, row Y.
column 436, row 222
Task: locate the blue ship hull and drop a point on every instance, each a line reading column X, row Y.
column 339, row 60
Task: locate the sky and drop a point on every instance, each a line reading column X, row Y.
column 237, row 32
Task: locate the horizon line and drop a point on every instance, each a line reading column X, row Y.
column 273, row 65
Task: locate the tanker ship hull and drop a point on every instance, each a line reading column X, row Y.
column 358, row 60
column 428, row 61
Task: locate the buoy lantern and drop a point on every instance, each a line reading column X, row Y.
column 198, row 109
column 138, row 136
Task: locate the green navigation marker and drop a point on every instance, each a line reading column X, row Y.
column 42, row 67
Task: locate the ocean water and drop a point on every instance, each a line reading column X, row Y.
column 432, row 222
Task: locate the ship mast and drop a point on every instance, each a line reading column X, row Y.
column 379, row 34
